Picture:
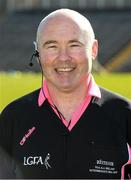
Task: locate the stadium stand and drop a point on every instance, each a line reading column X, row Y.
column 18, row 31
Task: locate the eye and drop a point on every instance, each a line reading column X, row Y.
column 51, row 47
column 75, row 45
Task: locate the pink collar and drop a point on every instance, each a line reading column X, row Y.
column 93, row 90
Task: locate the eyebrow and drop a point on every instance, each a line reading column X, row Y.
column 49, row 42
column 55, row 42
column 75, row 41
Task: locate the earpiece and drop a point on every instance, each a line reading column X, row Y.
column 35, row 53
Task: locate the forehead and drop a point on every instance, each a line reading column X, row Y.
column 59, row 26
column 65, row 27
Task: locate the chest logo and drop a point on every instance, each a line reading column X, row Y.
column 102, row 166
column 37, row 160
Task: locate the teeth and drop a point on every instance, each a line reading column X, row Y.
column 64, row 69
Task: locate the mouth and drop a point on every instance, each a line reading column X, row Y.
column 64, row 69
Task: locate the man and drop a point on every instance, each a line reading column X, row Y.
column 70, row 128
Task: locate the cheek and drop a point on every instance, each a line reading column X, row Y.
column 81, row 57
column 48, row 58
column 84, row 62
column 80, row 54
column 45, row 59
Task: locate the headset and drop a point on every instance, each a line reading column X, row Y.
column 35, row 54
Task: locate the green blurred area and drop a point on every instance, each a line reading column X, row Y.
column 17, row 84
column 117, row 82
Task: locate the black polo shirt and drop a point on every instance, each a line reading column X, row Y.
column 40, row 146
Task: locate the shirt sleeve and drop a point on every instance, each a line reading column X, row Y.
column 6, row 130
column 129, row 125
column 7, row 165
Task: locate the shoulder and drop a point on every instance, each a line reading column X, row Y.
column 27, row 101
column 113, row 99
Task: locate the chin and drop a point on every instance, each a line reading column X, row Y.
column 64, row 88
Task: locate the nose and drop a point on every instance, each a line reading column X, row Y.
column 63, row 54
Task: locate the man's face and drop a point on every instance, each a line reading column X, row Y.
column 65, row 54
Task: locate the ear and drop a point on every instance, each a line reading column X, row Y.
column 35, row 44
column 94, row 49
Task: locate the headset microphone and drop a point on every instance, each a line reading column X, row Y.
column 36, row 54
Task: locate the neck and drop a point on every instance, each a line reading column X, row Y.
column 68, row 102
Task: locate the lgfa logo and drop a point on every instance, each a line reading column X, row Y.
column 36, row 160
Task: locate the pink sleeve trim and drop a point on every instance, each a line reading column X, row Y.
column 123, row 167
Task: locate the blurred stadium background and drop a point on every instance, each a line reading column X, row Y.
column 19, row 19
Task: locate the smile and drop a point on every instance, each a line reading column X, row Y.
column 66, row 69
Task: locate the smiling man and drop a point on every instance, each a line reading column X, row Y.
column 66, row 47
column 73, row 128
